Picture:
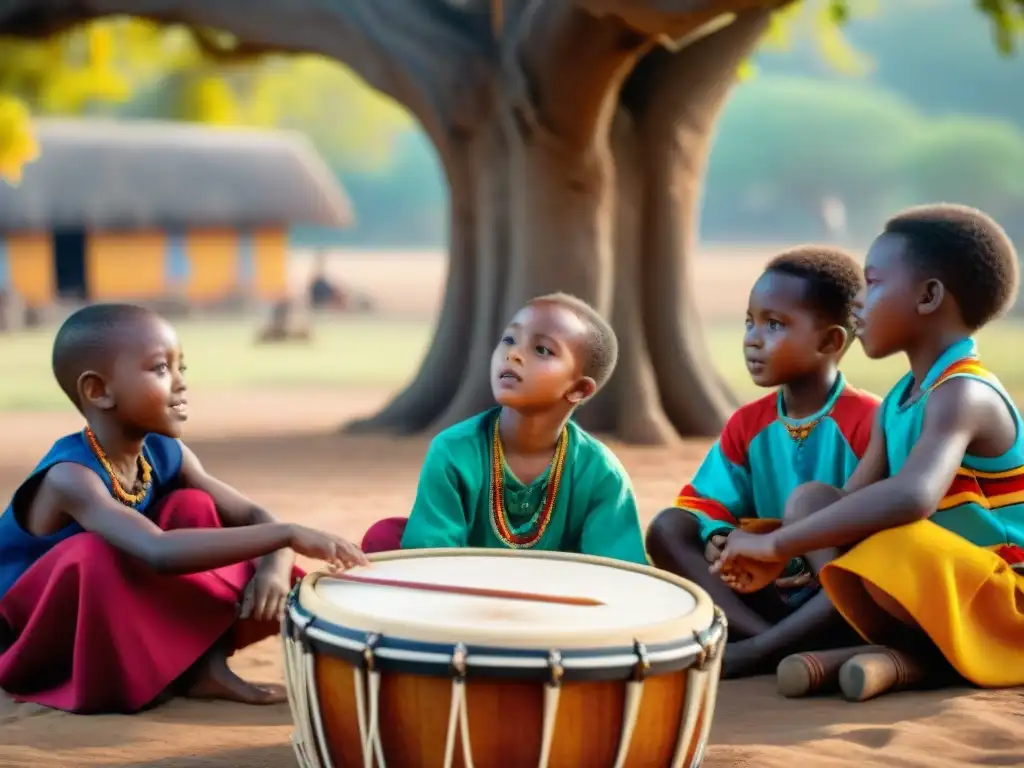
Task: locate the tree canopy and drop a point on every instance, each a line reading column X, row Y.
column 134, row 67
column 137, row 68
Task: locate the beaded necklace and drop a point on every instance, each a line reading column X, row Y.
column 799, row 432
column 146, row 471
column 499, row 516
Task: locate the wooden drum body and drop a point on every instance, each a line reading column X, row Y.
column 381, row 676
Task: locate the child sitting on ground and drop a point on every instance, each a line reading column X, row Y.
column 118, row 583
column 937, row 523
column 522, row 475
column 813, row 427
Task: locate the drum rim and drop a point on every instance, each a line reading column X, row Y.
column 309, row 608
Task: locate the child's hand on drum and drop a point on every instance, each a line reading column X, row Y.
column 333, row 550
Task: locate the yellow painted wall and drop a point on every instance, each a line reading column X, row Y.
column 270, row 264
column 30, row 260
column 125, row 265
column 213, row 264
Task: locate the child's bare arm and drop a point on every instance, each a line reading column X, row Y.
column 957, row 412
column 82, row 495
column 874, row 464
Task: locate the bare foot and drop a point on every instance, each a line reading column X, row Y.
column 217, row 681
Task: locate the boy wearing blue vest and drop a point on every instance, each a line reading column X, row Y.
column 814, row 426
column 127, row 571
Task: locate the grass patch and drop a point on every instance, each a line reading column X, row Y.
column 379, row 352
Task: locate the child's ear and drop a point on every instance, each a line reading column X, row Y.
column 932, row 294
column 582, row 390
column 92, row 389
column 834, row 340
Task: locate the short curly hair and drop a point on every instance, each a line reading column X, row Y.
column 601, row 347
column 965, row 249
column 834, row 279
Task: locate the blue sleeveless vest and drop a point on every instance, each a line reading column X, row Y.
column 20, row 549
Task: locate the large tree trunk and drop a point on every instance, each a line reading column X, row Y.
column 675, row 100
column 545, row 194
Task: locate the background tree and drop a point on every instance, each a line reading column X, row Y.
column 573, row 136
column 136, row 68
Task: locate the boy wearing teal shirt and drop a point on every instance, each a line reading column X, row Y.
column 522, row 475
column 813, row 427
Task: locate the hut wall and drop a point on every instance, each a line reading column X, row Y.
column 270, row 263
column 203, row 265
column 217, row 264
column 213, row 265
column 122, row 266
column 29, row 266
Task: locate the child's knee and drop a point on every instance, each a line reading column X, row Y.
column 187, row 508
column 384, row 535
column 889, row 604
column 672, row 526
column 808, row 499
column 92, row 554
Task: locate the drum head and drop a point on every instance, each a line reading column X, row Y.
column 640, row 603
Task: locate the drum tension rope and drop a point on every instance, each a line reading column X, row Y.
column 643, row 661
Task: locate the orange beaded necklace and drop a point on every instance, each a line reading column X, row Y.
column 499, row 517
column 145, row 470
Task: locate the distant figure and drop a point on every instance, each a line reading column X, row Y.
column 6, row 310
column 833, row 215
column 323, row 294
column 282, row 327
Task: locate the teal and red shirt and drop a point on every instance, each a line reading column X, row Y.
column 763, row 455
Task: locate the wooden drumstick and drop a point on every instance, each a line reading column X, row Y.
column 503, row 594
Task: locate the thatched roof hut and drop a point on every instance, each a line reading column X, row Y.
column 117, row 175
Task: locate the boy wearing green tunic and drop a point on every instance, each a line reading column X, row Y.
column 522, row 475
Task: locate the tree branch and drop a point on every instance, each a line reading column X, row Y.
column 563, row 67
column 669, row 19
column 426, row 54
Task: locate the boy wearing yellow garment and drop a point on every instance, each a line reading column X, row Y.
column 936, row 515
column 522, row 475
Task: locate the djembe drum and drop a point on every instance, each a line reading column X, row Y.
column 412, row 671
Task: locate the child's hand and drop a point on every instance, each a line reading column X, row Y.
column 714, row 547
column 749, row 562
column 735, row 577
column 750, row 546
column 334, row 550
column 266, row 594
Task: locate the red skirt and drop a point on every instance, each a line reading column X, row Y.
column 93, row 629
